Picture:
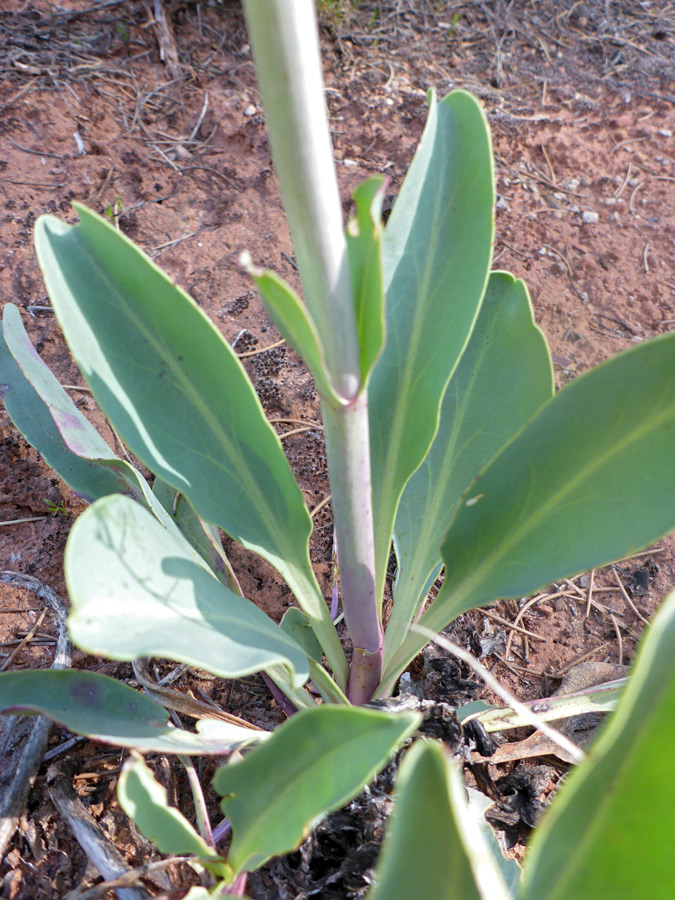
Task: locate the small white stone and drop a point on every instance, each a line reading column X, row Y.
column 609, row 201
column 502, row 203
column 250, row 110
column 589, row 218
column 350, row 163
column 665, row 132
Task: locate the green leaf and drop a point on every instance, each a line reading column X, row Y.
column 106, row 710
column 609, row 832
column 293, row 321
column 201, row 536
column 173, row 388
column 316, row 762
column 589, row 480
column 49, row 420
column 436, row 254
column 141, row 593
column 434, row 849
column 145, row 801
column 295, row 623
column 364, row 246
column 504, row 376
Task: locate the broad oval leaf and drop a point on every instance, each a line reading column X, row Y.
column 142, row 593
column 107, row 710
column 433, row 848
column 504, row 376
column 437, row 249
column 609, row 832
column 315, row 762
column 176, row 392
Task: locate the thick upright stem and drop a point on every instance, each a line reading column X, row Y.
column 348, row 449
column 286, row 50
column 288, row 65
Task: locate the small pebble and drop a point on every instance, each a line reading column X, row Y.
column 502, row 203
column 665, row 132
column 589, row 218
column 250, row 110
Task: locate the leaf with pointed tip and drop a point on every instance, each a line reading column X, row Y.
column 176, row 392
column 364, row 246
column 141, row 593
column 504, row 376
column 589, row 480
column 49, row 420
column 435, row 272
column 609, row 831
column 145, row 801
column 317, row 761
column 294, row 322
column 295, row 623
column 107, row 710
column 434, row 848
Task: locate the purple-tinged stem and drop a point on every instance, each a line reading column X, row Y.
column 348, row 451
column 284, row 703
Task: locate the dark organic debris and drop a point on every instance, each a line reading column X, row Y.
column 517, row 812
column 337, row 860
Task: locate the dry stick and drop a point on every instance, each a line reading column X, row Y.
column 497, row 618
column 13, row 799
column 128, row 878
column 261, row 350
column 589, row 596
column 320, row 506
column 295, row 431
column 90, row 836
column 518, row 619
column 295, row 421
column 25, row 640
column 22, row 521
column 618, row 637
column 530, row 717
column 628, row 600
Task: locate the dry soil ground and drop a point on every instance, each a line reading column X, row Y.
column 168, row 138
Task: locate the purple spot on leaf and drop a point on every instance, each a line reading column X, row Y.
column 86, row 693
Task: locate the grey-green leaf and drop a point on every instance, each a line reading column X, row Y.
column 173, row 388
column 109, row 711
column 141, row 593
column 145, row 801
column 589, row 480
column 433, row 849
column 206, row 542
column 293, row 320
column 315, row 762
column 48, row 418
column 364, row 246
column 435, row 270
column 504, row 376
column 609, row 832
